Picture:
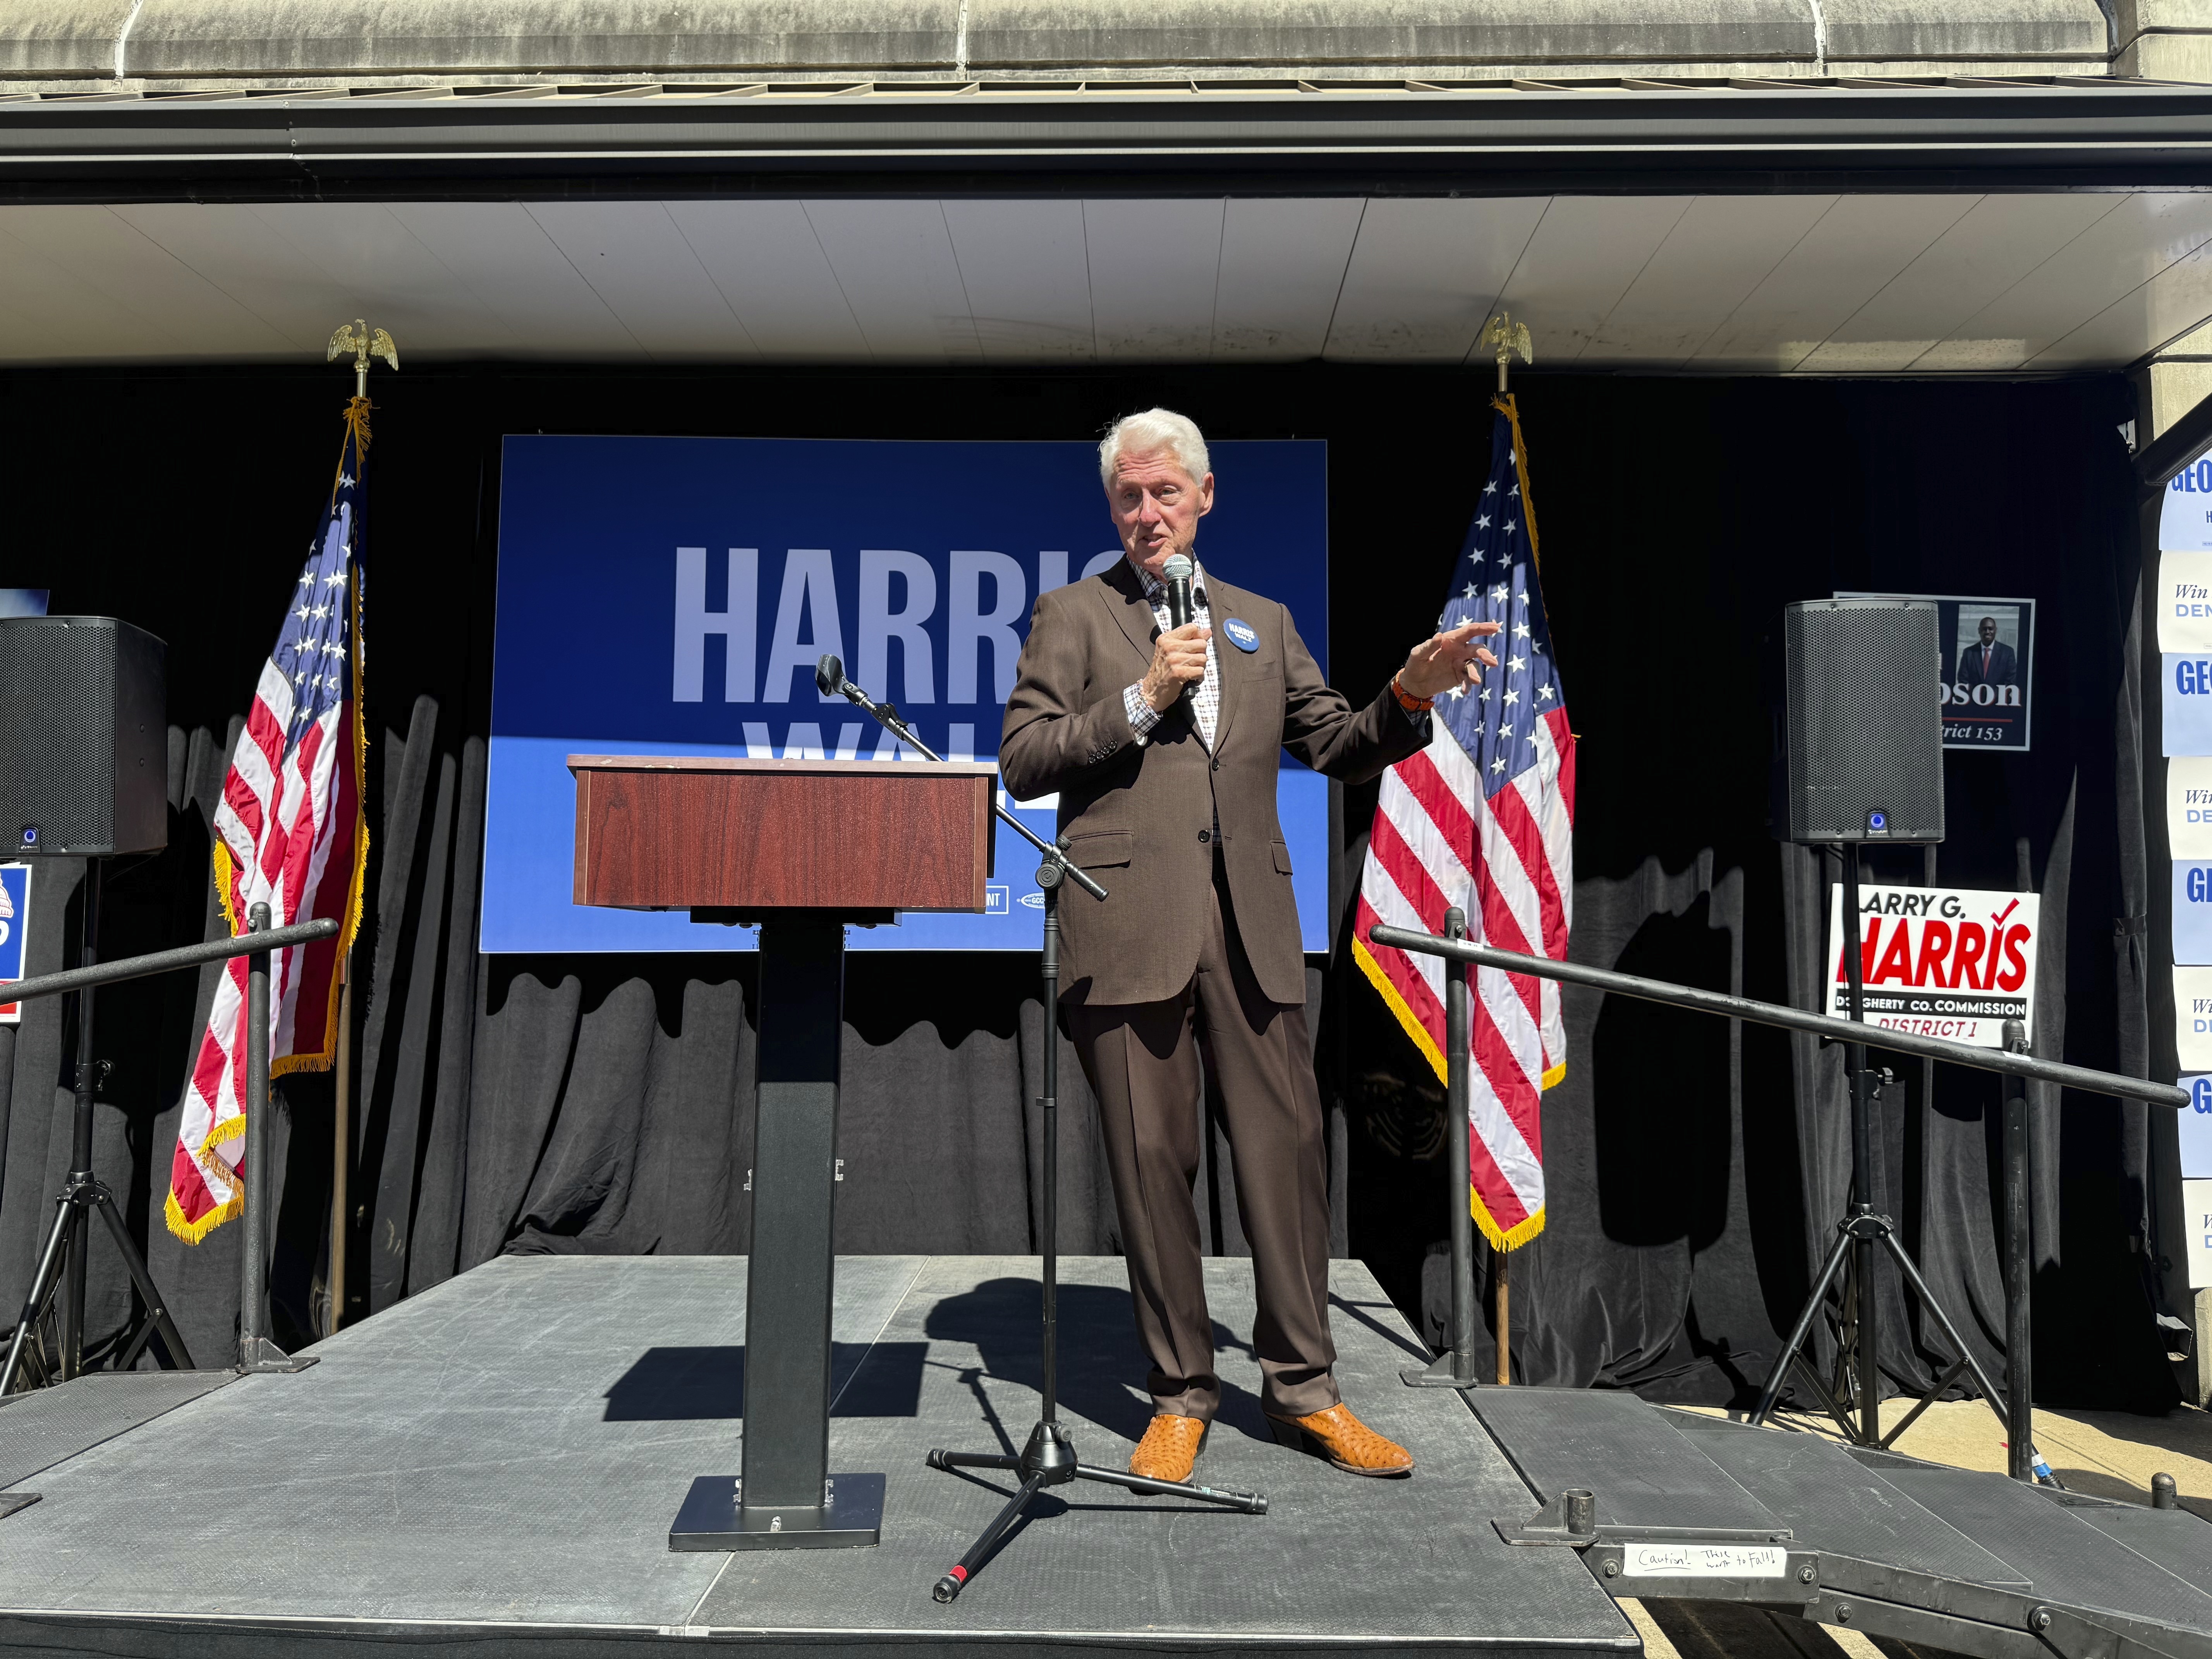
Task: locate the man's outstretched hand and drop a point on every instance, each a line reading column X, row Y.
column 1441, row 661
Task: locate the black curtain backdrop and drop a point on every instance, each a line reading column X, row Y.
column 603, row 1104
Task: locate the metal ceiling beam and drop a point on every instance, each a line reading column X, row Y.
column 2161, row 462
column 1714, row 139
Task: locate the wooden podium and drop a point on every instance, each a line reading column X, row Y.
column 804, row 849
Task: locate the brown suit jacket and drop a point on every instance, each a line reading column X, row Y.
column 1141, row 816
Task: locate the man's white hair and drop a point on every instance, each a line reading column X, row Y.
column 1155, row 428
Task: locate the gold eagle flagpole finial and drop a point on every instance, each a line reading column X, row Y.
column 1507, row 336
column 366, row 343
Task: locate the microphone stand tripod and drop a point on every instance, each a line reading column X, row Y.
column 1049, row 1459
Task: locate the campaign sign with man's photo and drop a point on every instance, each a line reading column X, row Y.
column 1988, row 645
column 1941, row 961
column 15, row 928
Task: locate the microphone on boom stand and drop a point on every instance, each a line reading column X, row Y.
column 829, row 679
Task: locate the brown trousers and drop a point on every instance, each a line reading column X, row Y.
column 1143, row 1063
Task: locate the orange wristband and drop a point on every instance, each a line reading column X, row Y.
column 1406, row 700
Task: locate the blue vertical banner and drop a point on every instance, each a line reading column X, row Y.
column 2183, row 601
column 671, row 596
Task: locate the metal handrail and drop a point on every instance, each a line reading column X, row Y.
column 166, row 962
column 256, row 1352
column 1794, row 1019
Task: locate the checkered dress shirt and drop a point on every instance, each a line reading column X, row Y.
column 1206, row 696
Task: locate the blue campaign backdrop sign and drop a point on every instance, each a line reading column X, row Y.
column 672, row 595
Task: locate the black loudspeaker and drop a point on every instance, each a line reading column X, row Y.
column 1863, row 732
column 84, row 737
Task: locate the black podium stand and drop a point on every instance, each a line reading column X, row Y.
column 804, row 848
column 787, row 1499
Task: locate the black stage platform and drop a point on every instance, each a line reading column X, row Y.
column 492, row 1467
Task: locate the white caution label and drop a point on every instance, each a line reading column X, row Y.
column 1704, row 1560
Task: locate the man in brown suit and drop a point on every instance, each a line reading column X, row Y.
column 1164, row 749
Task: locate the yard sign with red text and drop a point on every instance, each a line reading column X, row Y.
column 1943, row 962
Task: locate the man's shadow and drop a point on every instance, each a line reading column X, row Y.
column 1102, row 1367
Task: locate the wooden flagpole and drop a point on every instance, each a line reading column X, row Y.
column 1508, row 337
column 1504, row 1328
column 341, row 1148
column 364, row 343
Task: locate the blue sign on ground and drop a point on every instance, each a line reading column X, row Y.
column 671, row 595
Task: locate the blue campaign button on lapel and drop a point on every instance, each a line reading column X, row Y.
column 1241, row 633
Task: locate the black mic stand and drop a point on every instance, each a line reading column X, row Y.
column 1049, row 1459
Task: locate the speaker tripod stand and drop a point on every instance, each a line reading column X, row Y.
column 61, row 1272
column 1049, row 1459
column 1855, row 1382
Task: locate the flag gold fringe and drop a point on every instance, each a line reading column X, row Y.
column 1396, row 1004
column 1503, row 1238
column 193, row 1231
column 173, row 1212
column 225, row 868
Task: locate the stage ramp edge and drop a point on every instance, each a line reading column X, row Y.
column 1662, row 1503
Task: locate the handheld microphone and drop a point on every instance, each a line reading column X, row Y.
column 1177, row 570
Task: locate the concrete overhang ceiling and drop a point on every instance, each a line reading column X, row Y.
column 1770, row 186
column 1844, row 283
column 201, row 44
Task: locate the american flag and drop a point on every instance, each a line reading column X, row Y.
column 290, row 834
column 1482, row 818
